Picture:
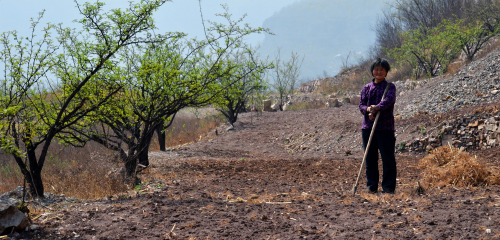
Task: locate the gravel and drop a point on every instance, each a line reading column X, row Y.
column 477, row 82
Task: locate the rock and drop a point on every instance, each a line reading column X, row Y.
column 11, row 218
column 275, row 107
column 267, row 105
column 332, row 102
column 34, row 227
column 446, row 129
column 491, row 128
column 354, row 100
column 474, row 124
column 492, row 142
column 345, row 100
column 428, row 148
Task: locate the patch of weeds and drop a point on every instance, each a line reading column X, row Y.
column 402, row 146
column 423, row 131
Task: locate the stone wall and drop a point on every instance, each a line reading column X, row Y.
column 467, row 133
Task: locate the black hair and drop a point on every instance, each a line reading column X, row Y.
column 380, row 62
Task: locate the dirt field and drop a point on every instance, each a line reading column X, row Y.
column 284, row 175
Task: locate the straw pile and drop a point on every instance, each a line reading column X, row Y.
column 446, row 166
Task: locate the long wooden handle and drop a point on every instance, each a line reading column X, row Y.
column 366, row 152
column 369, row 141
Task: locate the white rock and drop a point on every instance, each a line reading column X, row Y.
column 275, row 107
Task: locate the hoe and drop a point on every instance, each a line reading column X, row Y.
column 369, row 142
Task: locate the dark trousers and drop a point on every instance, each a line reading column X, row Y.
column 383, row 141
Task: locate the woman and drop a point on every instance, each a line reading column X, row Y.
column 383, row 139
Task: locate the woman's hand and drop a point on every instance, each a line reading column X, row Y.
column 373, row 109
column 371, row 116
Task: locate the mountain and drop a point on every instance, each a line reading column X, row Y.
column 325, row 32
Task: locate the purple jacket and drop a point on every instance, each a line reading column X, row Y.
column 371, row 95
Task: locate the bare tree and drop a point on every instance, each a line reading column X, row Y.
column 388, row 31
column 285, row 75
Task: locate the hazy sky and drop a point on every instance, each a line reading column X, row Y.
column 177, row 15
column 322, row 46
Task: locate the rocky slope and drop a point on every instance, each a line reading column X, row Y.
column 475, row 83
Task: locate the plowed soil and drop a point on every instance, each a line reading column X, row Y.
column 283, row 175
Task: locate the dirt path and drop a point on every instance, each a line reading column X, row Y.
column 285, row 175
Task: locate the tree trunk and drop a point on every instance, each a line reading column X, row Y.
column 36, row 183
column 130, row 166
column 34, row 174
column 161, row 138
column 130, row 163
column 144, row 150
column 232, row 116
column 143, row 156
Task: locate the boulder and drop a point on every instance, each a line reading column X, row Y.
column 267, row 105
column 491, row 127
column 354, row 100
column 345, row 100
column 332, row 102
column 275, row 107
column 11, row 219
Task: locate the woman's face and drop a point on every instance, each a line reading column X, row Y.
column 379, row 73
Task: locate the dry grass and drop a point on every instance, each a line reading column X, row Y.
column 446, row 166
column 189, row 127
column 75, row 172
column 401, row 71
column 454, row 67
column 348, row 81
column 10, row 175
column 92, row 178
